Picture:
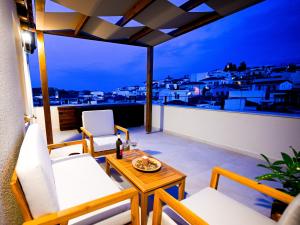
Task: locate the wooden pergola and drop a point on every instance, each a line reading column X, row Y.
column 156, row 16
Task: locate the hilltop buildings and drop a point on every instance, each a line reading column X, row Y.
column 267, row 88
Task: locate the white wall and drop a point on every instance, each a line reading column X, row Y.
column 250, row 134
column 11, row 107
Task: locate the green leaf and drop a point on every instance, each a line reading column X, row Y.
column 279, row 162
column 268, row 176
column 262, row 165
column 276, row 168
column 266, row 158
column 294, row 151
column 287, row 159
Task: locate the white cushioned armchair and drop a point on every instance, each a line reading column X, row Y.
column 68, row 190
column 99, row 132
column 209, row 206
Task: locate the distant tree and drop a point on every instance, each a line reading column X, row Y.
column 233, row 68
column 242, row 67
column 230, row 67
column 205, row 90
column 291, row 68
column 227, row 67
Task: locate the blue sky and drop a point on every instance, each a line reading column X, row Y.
column 267, row 33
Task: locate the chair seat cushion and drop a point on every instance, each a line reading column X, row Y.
column 103, row 143
column 80, row 179
column 65, row 151
column 216, row 208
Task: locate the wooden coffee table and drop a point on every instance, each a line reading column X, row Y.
column 146, row 183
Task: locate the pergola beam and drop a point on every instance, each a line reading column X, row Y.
column 191, row 4
column 134, row 11
column 210, row 17
column 149, row 89
column 140, row 34
column 187, row 6
column 44, row 83
column 70, row 33
column 83, row 20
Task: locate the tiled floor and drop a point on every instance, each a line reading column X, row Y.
column 196, row 160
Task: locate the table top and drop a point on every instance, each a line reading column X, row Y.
column 144, row 181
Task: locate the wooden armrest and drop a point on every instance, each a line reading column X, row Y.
column 126, row 131
column 60, row 145
column 76, row 211
column 86, row 132
column 161, row 196
column 272, row 192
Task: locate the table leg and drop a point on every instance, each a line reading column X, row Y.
column 107, row 168
column 181, row 188
column 144, row 208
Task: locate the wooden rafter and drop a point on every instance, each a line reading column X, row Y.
column 187, row 6
column 191, row 4
column 40, row 12
column 70, row 33
column 134, row 11
column 210, row 17
column 140, row 34
column 83, row 20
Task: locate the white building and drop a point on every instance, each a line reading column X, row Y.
column 215, row 81
column 219, row 73
column 97, row 93
column 253, row 96
column 195, row 77
column 274, row 84
column 167, row 95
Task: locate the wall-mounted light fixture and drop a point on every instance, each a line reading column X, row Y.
column 26, row 37
column 28, row 40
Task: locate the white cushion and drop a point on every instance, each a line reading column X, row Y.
column 98, row 122
column 80, row 179
column 103, row 143
column 65, row 151
column 34, row 171
column 291, row 215
column 216, row 208
column 165, row 219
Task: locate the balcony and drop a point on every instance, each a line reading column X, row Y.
column 195, row 140
column 191, row 140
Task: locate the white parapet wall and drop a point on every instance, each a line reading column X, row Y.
column 250, row 134
column 40, row 118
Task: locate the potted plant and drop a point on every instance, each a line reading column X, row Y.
column 286, row 172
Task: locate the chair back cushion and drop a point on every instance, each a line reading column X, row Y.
column 291, row 215
column 99, row 122
column 34, row 170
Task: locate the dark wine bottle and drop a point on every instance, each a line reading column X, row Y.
column 119, row 147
